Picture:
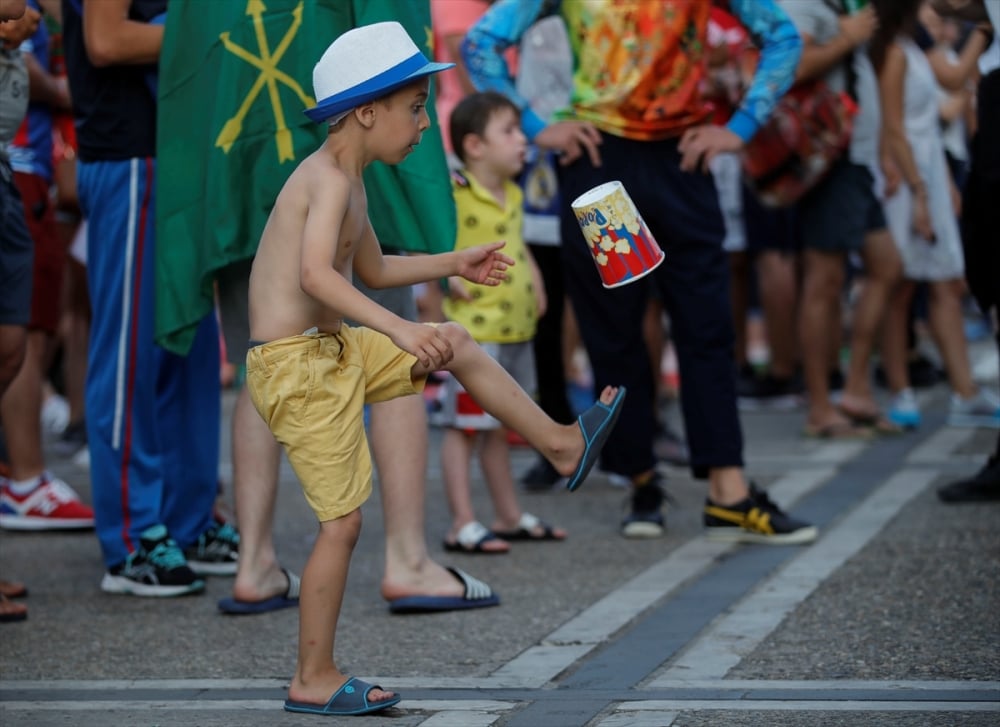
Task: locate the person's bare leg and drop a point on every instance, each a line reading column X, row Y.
column 573, row 348
column 399, row 443
column 74, row 323
column 894, row 338
column 20, row 407
column 836, row 329
column 501, row 396
column 778, row 298
column 882, row 272
column 457, row 450
column 949, row 335
column 323, row 581
column 824, row 278
column 727, row 485
column 256, row 457
column 75, row 333
column 13, row 341
column 495, row 460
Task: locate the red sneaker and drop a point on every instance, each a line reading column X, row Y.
column 53, row 505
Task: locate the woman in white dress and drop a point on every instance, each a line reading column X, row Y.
column 921, row 216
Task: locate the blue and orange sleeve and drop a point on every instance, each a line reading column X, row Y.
column 780, row 50
column 483, row 51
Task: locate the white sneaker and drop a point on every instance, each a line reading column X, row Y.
column 82, row 458
column 980, row 410
column 904, row 410
column 54, row 414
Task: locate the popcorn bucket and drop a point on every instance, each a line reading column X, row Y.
column 622, row 246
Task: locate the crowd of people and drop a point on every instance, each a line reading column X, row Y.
column 539, row 103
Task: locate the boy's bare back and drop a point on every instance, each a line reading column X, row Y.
column 302, row 237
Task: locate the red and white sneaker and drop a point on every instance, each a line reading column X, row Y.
column 53, row 505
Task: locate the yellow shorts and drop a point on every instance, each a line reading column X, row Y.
column 311, row 391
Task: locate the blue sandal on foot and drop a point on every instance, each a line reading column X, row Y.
column 596, row 424
column 352, row 698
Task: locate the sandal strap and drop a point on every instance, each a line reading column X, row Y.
column 294, row 585
column 472, row 534
column 475, row 589
column 529, row 522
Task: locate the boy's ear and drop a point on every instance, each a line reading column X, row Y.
column 365, row 113
column 472, row 145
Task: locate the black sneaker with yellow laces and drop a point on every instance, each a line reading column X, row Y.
column 755, row 520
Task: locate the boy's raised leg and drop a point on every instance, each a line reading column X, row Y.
column 572, row 449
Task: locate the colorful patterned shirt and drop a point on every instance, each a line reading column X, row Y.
column 638, row 64
column 505, row 313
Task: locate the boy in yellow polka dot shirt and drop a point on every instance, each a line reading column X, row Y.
column 486, row 135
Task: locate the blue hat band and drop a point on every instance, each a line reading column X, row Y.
column 374, row 87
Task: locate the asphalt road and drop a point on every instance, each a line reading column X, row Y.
column 891, row 618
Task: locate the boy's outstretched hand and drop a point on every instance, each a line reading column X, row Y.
column 484, row 264
column 427, row 343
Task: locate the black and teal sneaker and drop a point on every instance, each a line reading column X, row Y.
column 216, row 551
column 156, row 568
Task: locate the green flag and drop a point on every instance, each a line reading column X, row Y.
column 235, row 76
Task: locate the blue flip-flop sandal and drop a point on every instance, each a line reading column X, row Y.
column 477, row 595
column 289, row 599
column 596, row 424
column 351, row 698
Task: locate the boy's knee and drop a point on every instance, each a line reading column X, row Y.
column 455, row 333
column 345, row 529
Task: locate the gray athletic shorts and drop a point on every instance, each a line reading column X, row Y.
column 234, row 284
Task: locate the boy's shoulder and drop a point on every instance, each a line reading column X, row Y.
column 319, row 170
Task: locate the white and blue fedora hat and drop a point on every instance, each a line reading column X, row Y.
column 364, row 64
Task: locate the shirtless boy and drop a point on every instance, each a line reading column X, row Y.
column 309, row 374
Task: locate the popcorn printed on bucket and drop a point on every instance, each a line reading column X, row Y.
column 619, row 241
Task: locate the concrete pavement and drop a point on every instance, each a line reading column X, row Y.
column 891, row 618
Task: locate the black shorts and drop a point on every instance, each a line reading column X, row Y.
column 768, row 228
column 836, row 215
column 16, row 255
